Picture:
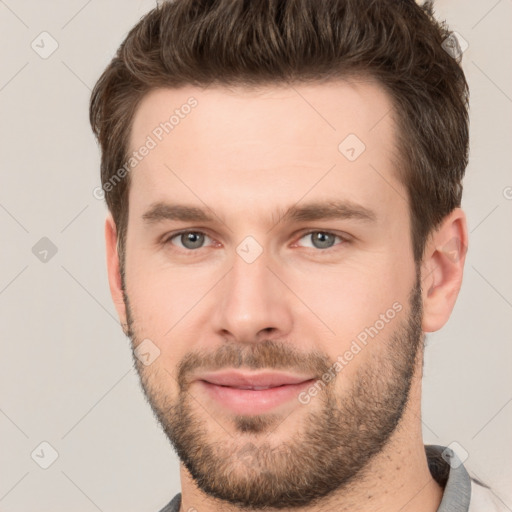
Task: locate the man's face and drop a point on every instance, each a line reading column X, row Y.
column 322, row 311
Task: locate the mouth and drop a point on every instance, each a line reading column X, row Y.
column 253, row 393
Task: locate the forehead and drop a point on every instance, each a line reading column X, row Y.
column 250, row 146
column 294, row 113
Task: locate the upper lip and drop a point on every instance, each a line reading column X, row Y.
column 245, row 380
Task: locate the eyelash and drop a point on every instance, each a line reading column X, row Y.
column 344, row 239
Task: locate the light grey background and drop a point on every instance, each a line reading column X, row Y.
column 67, row 375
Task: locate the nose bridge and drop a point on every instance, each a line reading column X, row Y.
column 250, row 275
column 253, row 299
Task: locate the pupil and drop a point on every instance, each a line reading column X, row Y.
column 323, row 239
column 193, row 239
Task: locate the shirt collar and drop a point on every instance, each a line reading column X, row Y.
column 457, row 491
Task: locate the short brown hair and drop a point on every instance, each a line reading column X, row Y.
column 265, row 42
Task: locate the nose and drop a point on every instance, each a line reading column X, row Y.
column 253, row 302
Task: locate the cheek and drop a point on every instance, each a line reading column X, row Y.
column 161, row 305
column 165, row 304
column 360, row 306
column 349, row 299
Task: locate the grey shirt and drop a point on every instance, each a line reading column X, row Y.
column 446, row 469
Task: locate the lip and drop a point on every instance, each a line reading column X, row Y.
column 252, row 393
column 237, row 379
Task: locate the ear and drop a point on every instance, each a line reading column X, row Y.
column 114, row 274
column 442, row 269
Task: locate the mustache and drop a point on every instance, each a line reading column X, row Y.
column 267, row 354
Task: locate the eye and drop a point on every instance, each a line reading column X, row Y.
column 193, row 240
column 189, row 240
column 322, row 239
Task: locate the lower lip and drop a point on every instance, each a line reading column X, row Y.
column 250, row 401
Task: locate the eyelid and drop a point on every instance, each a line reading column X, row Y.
column 169, row 236
column 345, row 238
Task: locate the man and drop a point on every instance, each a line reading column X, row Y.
column 284, row 186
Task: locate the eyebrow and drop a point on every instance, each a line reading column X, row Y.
column 320, row 210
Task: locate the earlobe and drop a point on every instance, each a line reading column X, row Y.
column 113, row 268
column 442, row 270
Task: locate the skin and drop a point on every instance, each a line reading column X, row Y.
column 248, row 155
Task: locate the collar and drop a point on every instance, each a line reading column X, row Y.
column 457, row 490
